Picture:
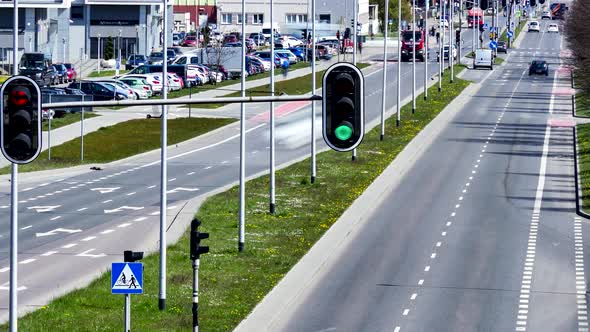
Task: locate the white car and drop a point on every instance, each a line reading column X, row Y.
column 545, row 15
column 534, row 26
column 553, row 28
column 154, row 80
column 121, row 87
column 174, row 82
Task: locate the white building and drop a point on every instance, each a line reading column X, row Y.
column 291, row 16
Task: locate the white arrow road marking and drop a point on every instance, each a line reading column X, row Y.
column 55, row 231
column 47, row 208
column 105, row 190
column 175, row 190
column 6, row 286
column 88, row 254
column 124, row 207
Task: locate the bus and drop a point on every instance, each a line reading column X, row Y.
column 474, row 15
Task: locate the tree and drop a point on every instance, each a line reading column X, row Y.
column 406, row 12
column 109, row 51
column 577, row 34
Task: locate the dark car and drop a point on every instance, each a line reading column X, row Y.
column 502, row 47
column 99, row 91
column 539, row 67
column 62, row 73
column 320, row 53
column 72, row 74
column 55, row 78
column 56, row 95
column 135, row 60
column 38, row 67
column 298, row 51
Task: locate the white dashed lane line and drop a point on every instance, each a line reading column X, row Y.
column 27, row 261
column 89, row 238
column 580, row 277
column 69, row 245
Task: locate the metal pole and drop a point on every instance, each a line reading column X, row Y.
column 440, row 46
column 313, row 87
column 82, row 135
column 473, row 17
column 272, row 112
column 49, row 132
column 399, row 61
column 426, row 38
column 13, row 311
column 451, row 45
column 242, row 214
column 98, row 50
column 64, row 46
column 460, row 29
column 163, row 161
column 384, row 83
column 413, row 56
column 355, row 47
column 127, row 312
column 442, row 35
column 196, row 295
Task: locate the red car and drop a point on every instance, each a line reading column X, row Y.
column 71, row 73
column 190, row 41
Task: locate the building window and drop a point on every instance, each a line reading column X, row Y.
column 226, row 18
column 77, row 12
column 257, row 18
column 324, row 18
column 295, row 18
column 239, row 18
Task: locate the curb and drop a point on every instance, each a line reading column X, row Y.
column 578, row 180
column 316, row 262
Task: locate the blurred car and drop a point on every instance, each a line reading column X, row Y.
column 251, row 45
column 534, row 26
column 502, row 48
column 539, row 67
column 99, row 90
column 553, row 28
column 546, row 15
column 333, row 44
column 320, row 53
column 140, row 86
column 135, row 60
column 298, row 51
column 446, row 53
column 121, row 87
column 265, row 63
column 236, row 44
column 174, row 82
column 190, row 41
column 290, row 56
column 71, row 73
column 62, row 73
column 176, row 39
column 220, row 70
column 230, row 39
column 258, row 39
column 54, row 75
column 153, row 79
column 156, row 58
column 265, row 55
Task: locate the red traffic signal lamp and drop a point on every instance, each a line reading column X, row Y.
column 343, row 111
column 20, row 111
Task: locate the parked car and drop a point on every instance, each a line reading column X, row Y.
column 121, row 87
column 99, row 91
column 321, row 52
column 174, row 82
column 220, row 70
column 38, row 67
column 258, row 39
column 55, row 78
column 290, row 56
column 265, row 55
column 176, row 39
column 71, row 73
column 250, row 45
column 135, row 60
column 230, row 39
column 62, row 73
column 183, row 71
column 236, row 44
column 539, row 67
column 190, row 41
column 298, row 51
column 156, row 58
column 140, row 86
column 265, row 64
column 153, row 79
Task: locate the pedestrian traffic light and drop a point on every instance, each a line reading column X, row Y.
column 20, row 111
column 484, row 4
column 132, row 256
column 196, row 237
column 457, row 36
column 343, row 113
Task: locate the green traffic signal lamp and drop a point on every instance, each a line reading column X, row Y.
column 20, row 109
column 343, row 107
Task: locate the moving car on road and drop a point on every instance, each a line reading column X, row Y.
column 539, row 67
column 553, row 28
column 502, row 48
column 483, row 58
column 446, row 53
column 534, row 26
column 546, row 15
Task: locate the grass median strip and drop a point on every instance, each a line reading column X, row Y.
column 582, row 104
column 120, row 141
column 584, row 163
column 232, row 283
column 67, row 120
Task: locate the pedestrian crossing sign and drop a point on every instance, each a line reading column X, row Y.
column 127, row 278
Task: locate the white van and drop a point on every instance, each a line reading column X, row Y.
column 483, row 58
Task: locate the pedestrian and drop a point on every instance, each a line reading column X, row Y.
column 438, row 37
column 360, row 46
column 285, row 66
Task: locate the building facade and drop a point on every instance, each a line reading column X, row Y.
column 201, row 13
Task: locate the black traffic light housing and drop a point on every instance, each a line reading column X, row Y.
column 132, row 256
column 343, row 111
column 196, row 237
column 532, row 3
column 20, row 111
column 484, row 4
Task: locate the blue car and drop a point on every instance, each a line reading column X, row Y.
column 298, row 52
column 135, row 60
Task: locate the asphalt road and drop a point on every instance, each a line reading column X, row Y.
column 481, row 234
column 72, row 227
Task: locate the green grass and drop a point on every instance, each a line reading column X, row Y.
column 107, row 73
column 504, row 37
column 67, row 120
column 232, row 283
column 584, row 163
column 3, row 78
column 582, row 104
column 120, row 141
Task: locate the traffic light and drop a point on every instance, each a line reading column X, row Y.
column 196, row 237
column 132, row 256
column 484, row 4
column 504, row 4
column 532, row 3
column 457, row 36
column 541, row 1
column 20, row 111
column 343, row 113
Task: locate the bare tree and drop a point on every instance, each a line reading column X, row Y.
column 577, row 34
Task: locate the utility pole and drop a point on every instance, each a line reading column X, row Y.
column 460, row 30
column 440, row 47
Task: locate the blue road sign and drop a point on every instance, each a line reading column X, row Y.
column 493, row 45
column 509, row 33
column 127, row 278
column 485, row 25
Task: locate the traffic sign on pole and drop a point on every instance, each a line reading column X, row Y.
column 493, row 45
column 127, row 278
column 509, row 34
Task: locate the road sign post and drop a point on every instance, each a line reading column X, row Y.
column 127, row 278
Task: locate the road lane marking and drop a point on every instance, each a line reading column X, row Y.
column 107, row 201
column 124, row 225
column 49, row 253
column 140, row 219
column 82, row 209
column 107, row 231
column 27, row 261
column 582, row 313
column 55, row 218
column 89, row 238
column 150, row 187
column 131, row 193
column 88, row 254
column 26, row 227
column 4, row 269
column 69, row 245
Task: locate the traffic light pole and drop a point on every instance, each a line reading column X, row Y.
column 426, row 38
column 460, row 30
column 242, row 212
column 355, row 42
column 440, row 45
column 313, row 87
column 384, row 84
column 13, row 314
column 195, row 309
column 272, row 111
column 399, row 61
column 451, row 29
column 414, row 56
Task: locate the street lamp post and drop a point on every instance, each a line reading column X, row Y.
column 98, row 54
column 399, row 61
column 384, row 86
column 118, row 65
